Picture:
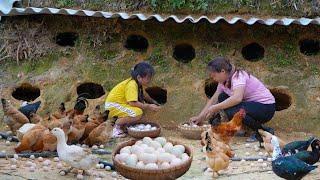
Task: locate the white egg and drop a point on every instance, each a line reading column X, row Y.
column 46, row 168
column 95, row 147
column 114, row 174
column 136, row 149
column 260, row 153
column 161, row 140
column 28, row 163
column 151, row 166
column 40, row 159
column 78, row 145
column 59, row 165
column 138, row 142
column 122, row 157
column 180, row 147
column 165, row 157
column 147, row 140
column 13, row 161
column 176, row 151
column 147, row 158
column 260, row 160
column 247, row 145
column 108, row 168
column 13, row 167
column 269, row 159
column 155, row 144
column 84, row 146
column 97, row 166
column 148, row 126
column 175, row 162
column 32, row 168
column 185, row 125
column 153, row 128
column 149, row 150
column 101, row 166
column 140, row 165
column 56, row 159
column 46, row 162
column 0, row 137
column 252, row 164
column 32, row 157
column 185, row 157
column 266, row 154
column 131, row 160
column 8, row 143
column 194, row 125
column 264, row 164
column 79, row 176
column 16, row 156
column 168, row 146
column 143, row 146
column 101, row 146
column 164, row 165
column 161, row 150
column 140, row 126
column 125, row 150
column 247, row 153
column 243, row 160
column 62, row 173
column 257, row 149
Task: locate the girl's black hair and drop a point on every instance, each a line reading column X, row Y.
column 141, row 69
column 222, row 63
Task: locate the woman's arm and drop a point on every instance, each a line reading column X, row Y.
column 144, row 106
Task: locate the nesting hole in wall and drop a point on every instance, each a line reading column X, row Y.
column 90, row 90
column 184, row 53
column 282, row 97
column 137, row 43
column 26, row 92
column 158, row 94
column 210, row 87
column 253, row 52
column 66, row 38
column 309, row 47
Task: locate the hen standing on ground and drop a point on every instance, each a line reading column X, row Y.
column 73, row 155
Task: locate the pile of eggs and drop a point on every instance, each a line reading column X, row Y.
column 142, row 127
column 195, row 125
column 152, row 154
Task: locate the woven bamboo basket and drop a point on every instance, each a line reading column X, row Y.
column 145, row 174
column 142, row 134
column 192, row 132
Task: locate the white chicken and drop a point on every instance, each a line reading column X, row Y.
column 73, row 155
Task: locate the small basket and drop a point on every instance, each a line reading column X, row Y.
column 192, row 132
column 145, row 174
column 142, row 134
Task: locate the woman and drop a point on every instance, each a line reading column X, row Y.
column 126, row 100
column 236, row 89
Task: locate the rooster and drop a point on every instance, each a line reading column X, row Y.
column 13, row 117
column 226, row 130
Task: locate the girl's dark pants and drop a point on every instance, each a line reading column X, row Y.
column 256, row 113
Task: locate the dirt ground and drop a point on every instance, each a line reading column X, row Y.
column 245, row 170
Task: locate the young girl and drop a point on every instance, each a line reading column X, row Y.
column 236, row 89
column 126, row 99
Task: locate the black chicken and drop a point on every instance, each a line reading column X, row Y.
column 310, row 157
column 288, row 167
column 28, row 109
column 296, row 146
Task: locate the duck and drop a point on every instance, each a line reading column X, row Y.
column 288, row 167
column 75, row 156
column 296, row 146
column 310, row 157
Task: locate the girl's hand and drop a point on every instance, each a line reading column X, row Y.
column 154, row 107
column 210, row 111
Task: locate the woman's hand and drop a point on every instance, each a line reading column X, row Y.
column 210, row 111
column 195, row 120
column 154, row 107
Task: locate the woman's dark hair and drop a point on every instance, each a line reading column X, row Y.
column 222, row 63
column 141, row 69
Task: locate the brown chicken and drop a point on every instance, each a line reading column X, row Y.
column 35, row 118
column 210, row 137
column 100, row 135
column 266, row 136
column 31, row 141
column 77, row 129
column 216, row 159
column 94, row 122
column 61, row 113
column 13, row 117
column 226, row 130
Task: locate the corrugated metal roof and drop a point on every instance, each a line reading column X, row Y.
column 6, row 10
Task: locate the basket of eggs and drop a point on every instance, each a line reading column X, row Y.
column 192, row 131
column 145, row 129
column 156, row 159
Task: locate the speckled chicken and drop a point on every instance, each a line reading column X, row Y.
column 13, row 117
